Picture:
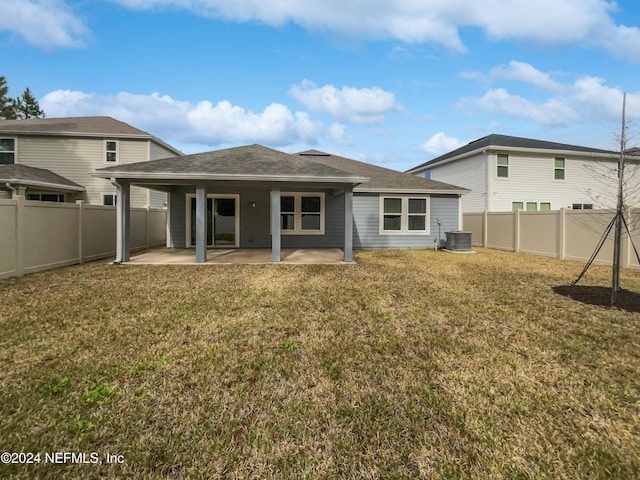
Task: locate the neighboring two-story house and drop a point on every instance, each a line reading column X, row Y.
column 51, row 159
column 507, row 173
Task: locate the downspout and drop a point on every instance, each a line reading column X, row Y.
column 119, row 252
column 14, row 191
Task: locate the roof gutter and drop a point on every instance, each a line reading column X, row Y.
column 123, row 136
column 35, row 183
column 595, row 155
column 227, row 177
column 14, row 191
column 431, row 191
column 119, row 246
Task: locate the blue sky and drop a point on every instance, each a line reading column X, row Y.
column 391, row 83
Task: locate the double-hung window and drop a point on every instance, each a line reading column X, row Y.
column 503, row 165
column 302, row 213
column 111, row 151
column 404, row 214
column 558, row 170
column 7, row 151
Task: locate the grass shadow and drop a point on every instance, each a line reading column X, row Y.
column 600, row 296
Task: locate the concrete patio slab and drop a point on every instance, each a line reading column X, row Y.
column 186, row 256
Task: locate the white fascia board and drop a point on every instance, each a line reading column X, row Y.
column 493, row 148
column 231, row 177
column 35, row 183
column 78, row 134
column 574, row 153
column 447, row 160
column 403, row 191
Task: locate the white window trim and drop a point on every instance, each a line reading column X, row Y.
column 404, row 222
column 117, row 152
column 115, row 199
column 297, row 213
column 497, row 167
column 14, row 151
column 188, row 238
column 564, row 169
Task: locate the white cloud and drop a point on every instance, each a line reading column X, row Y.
column 526, row 73
column 599, row 100
column 584, row 99
column 337, row 133
column 178, row 121
column 440, row 143
column 551, row 22
column 551, row 112
column 44, row 23
column 357, row 105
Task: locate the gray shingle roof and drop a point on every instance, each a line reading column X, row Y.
column 87, row 125
column 84, row 126
column 247, row 161
column 380, row 178
column 258, row 162
column 24, row 175
column 506, row 141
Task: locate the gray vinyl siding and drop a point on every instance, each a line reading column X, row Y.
column 446, row 208
column 333, row 227
column 177, row 224
column 255, row 221
column 5, row 194
column 76, row 157
column 366, row 219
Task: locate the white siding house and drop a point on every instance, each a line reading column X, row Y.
column 508, row 173
column 75, row 147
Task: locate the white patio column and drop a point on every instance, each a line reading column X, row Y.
column 348, row 223
column 275, row 224
column 201, row 224
column 123, row 201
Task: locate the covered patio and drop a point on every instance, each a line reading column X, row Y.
column 291, row 256
column 233, row 205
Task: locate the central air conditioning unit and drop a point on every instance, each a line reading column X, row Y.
column 458, row 241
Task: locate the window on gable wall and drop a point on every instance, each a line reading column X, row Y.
column 111, row 151
column 7, row 151
column 503, row 165
column 404, row 215
column 558, row 172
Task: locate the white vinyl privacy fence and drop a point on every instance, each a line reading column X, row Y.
column 564, row 234
column 37, row 236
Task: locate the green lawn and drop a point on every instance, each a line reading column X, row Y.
column 410, row 364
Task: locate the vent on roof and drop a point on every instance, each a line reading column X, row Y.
column 314, row 153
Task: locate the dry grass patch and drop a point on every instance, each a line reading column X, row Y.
column 410, row 364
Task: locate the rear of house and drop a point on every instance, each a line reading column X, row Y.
column 256, row 197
